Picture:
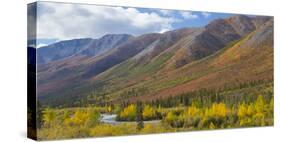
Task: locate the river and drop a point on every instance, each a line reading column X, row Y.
column 110, row 119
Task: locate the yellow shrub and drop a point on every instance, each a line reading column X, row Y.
column 49, row 116
column 192, row 111
column 259, row 119
column 148, row 112
column 80, row 117
column 217, row 110
column 250, row 110
column 170, row 117
column 242, row 111
column 129, row 112
column 246, row 110
column 212, row 126
column 245, row 122
column 260, row 105
column 88, row 118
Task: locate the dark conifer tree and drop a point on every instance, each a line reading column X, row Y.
column 139, row 117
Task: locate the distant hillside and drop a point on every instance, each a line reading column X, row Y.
column 76, row 47
column 61, row 50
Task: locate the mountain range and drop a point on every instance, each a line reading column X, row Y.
column 122, row 67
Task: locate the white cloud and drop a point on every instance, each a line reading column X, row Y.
column 206, row 14
column 188, row 15
column 41, row 45
column 164, row 30
column 67, row 21
column 165, row 12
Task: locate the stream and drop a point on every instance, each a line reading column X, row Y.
column 110, row 119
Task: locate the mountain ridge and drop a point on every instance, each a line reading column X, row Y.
column 157, row 62
column 83, row 46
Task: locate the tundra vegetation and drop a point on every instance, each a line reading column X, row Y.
column 200, row 110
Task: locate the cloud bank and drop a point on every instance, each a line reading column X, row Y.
column 68, row 21
column 62, row 21
column 188, row 15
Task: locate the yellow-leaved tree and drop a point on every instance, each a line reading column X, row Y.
column 49, row 116
column 192, row 111
column 260, row 104
column 217, row 110
column 148, row 112
column 129, row 113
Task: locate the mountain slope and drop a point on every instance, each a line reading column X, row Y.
column 61, row 50
column 196, row 44
column 60, row 75
column 77, row 47
column 153, row 66
column 249, row 59
column 104, row 44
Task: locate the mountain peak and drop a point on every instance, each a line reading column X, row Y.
column 242, row 24
column 115, row 35
column 61, row 49
column 105, row 43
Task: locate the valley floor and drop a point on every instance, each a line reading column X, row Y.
column 145, row 118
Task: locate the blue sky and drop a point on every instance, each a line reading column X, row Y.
column 192, row 19
column 62, row 21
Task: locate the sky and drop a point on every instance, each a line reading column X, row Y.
column 63, row 21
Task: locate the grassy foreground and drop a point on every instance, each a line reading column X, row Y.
column 84, row 122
